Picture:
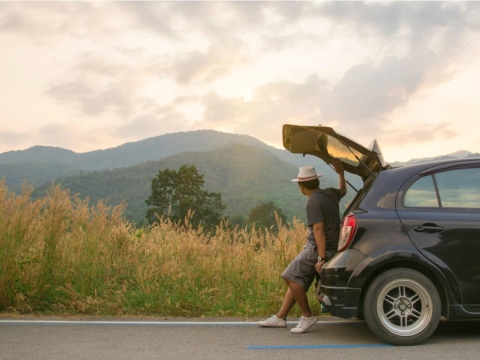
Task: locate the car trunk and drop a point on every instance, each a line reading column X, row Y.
column 324, row 143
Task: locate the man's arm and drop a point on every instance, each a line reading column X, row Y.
column 320, row 239
column 339, row 169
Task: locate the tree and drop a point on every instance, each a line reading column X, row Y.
column 174, row 193
column 237, row 220
column 263, row 215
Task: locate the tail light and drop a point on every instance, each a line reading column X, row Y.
column 347, row 232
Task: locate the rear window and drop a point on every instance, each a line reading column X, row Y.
column 338, row 150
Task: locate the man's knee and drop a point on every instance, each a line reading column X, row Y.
column 291, row 283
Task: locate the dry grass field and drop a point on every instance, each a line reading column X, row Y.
column 61, row 255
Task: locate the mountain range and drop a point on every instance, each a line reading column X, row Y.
column 133, row 153
column 40, row 164
column 245, row 176
column 245, row 170
column 455, row 155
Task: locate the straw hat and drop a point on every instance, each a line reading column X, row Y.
column 307, row 173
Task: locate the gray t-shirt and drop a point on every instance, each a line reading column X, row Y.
column 323, row 207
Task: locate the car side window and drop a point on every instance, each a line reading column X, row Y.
column 459, row 188
column 422, row 193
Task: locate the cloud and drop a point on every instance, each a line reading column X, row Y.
column 200, row 66
column 92, row 100
column 283, row 102
column 178, row 20
column 12, row 139
column 224, row 21
column 51, row 21
column 222, row 111
column 142, row 55
column 401, row 136
column 272, row 105
column 96, row 85
column 367, row 94
column 153, row 16
column 424, row 24
column 67, row 136
column 280, row 42
column 362, row 102
column 148, row 125
column 441, row 25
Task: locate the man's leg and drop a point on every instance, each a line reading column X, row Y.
column 279, row 320
column 299, row 295
column 307, row 320
column 287, row 305
column 295, row 294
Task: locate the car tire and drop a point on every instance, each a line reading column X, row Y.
column 402, row 307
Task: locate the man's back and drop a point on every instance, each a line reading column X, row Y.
column 323, row 206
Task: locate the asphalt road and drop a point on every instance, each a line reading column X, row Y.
column 221, row 339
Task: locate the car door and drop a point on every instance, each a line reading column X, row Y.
column 440, row 211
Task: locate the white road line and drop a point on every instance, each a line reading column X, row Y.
column 157, row 323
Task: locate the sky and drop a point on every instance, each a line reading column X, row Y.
column 95, row 75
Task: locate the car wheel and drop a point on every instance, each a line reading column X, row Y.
column 402, row 307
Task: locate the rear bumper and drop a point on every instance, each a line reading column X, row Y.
column 340, row 302
column 335, row 294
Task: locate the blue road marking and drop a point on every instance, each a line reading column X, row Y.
column 324, row 346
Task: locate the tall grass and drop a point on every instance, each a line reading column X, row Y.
column 58, row 254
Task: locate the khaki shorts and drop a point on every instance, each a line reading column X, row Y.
column 302, row 269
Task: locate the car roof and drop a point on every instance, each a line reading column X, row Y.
column 388, row 183
column 435, row 165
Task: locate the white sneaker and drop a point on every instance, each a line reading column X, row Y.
column 304, row 324
column 274, row 321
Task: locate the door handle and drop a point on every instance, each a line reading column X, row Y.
column 428, row 229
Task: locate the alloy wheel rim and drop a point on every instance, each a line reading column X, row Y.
column 404, row 307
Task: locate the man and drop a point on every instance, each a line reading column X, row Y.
column 323, row 220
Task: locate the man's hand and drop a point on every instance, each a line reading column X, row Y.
column 338, row 165
column 340, row 170
column 318, row 266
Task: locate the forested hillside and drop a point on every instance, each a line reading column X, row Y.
column 34, row 173
column 39, row 154
column 244, row 175
column 42, row 163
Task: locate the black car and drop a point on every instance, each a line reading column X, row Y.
column 409, row 248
